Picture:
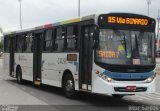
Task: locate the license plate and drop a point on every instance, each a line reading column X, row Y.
column 131, row 88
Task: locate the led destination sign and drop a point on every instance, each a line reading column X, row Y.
column 127, row 20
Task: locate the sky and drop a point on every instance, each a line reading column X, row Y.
column 38, row 12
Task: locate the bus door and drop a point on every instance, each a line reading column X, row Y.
column 86, row 56
column 11, row 60
column 37, row 57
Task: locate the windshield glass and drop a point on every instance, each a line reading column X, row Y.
column 125, row 47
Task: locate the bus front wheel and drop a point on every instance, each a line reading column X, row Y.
column 19, row 75
column 68, row 86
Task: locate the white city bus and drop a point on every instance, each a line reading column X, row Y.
column 110, row 53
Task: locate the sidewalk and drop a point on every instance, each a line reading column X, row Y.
column 12, row 95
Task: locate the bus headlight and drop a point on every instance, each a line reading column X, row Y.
column 104, row 77
column 109, row 79
column 150, row 79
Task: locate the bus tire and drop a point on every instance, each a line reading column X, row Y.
column 68, row 86
column 19, row 75
column 117, row 95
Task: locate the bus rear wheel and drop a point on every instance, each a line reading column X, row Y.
column 19, row 75
column 68, row 86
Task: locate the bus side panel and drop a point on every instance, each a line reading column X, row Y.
column 25, row 60
column 53, row 67
column 6, row 62
column 50, row 71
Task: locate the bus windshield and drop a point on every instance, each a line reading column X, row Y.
column 125, row 47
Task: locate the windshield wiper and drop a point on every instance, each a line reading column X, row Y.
column 137, row 45
column 124, row 39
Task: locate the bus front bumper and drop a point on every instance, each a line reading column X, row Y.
column 122, row 87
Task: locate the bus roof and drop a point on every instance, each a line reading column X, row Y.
column 50, row 25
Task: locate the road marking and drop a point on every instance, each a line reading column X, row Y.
column 157, row 94
column 143, row 97
column 148, row 96
column 132, row 98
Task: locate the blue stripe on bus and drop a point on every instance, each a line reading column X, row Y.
column 116, row 75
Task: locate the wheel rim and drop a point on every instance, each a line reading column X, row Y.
column 69, row 86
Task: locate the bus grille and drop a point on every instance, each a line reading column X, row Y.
column 131, row 69
column 123, row 89
column 130, row 79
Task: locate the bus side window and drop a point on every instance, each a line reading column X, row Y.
column 19, row 43
column 6, row 44
column 24, row 43
column 48, row 43
column 16, row 49
column 59, row 39
column 28, row 42
column 72, row 34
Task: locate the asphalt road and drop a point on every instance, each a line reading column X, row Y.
column 48, row 98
